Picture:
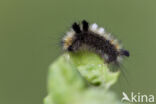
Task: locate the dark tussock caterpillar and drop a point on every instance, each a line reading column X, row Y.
column 92, row 38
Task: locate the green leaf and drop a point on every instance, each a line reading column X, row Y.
column 63, row 81
column 72, row 75
column 93, row 69
column 48, row 100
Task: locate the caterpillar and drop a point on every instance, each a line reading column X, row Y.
column 93, row 38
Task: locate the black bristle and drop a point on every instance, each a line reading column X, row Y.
column 125, row 53
column 76, row 28
column 85, row 25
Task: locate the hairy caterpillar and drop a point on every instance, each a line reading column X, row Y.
column 95, row 39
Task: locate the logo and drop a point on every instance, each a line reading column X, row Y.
column 137, row 97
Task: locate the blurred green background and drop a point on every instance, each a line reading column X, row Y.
column 30, row 32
